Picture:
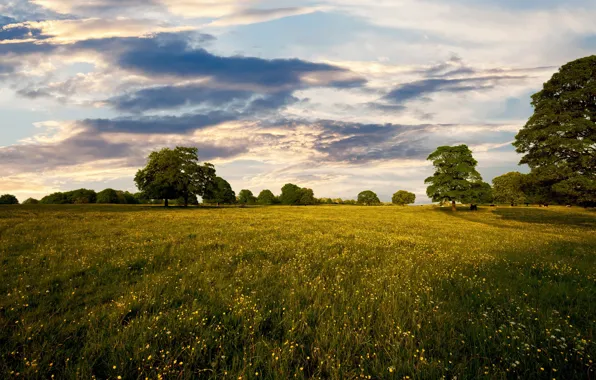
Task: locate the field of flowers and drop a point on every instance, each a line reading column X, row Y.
column 297, row 292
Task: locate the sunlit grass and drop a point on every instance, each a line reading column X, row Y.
column 284, row 292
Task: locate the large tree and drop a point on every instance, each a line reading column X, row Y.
column 219, row 192
column 403, row 198
column 8, row 199
column 290, row 194
column 246, row 197
column 368, row 198
column 559, row 140
column 266, row 197
column 508, row 188
column 455, row 178
column 175, row 173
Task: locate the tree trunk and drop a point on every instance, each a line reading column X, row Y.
column 166, row 203
column 453, row 208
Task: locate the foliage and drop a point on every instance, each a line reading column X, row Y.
column 368, row 198
column 403, row 198
column 266, row 197
column 559, row 140
column 323, row 292
column 108, row 196
column 8, row 199
column 219, row 192
column 31, row 201
column 246, row 197
column 509, row 188
column 290, row 194
column 174, row 173
column 306, row 197
column 55, row 199
column 455, row 174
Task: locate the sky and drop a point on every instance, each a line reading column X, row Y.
column 339, row 96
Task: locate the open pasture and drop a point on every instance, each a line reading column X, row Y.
column 297, row 292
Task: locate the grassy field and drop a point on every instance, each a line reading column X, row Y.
column 297, row 292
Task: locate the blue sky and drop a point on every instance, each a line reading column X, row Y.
column 340, row 96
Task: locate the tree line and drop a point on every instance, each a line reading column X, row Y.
column 558, row 143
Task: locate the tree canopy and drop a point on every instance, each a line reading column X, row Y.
column 246, row 197
column 31, row 201
column 108, row 196
column 403, row 198
column 290, row 194
column 175, row 173
column 266, row 197
column 368, row 198
column 8, row 199
column 219, row 192
column 455, row 178
column 508, row 188
column 559, row 140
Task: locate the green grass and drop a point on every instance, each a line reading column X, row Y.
column 284, row 292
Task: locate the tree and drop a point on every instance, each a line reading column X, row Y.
column 219, row 192
column 174, row 173
column 403, row 198
column 480, row 193
column 31, row 201
column 55, row 199
column 81, row 196
column 454, row 177
column 559, row 140
column 246, row 197
column 266, row 197
column 368, row 198
column 8, row 199
column 290, row 194
column 306, row 197
column 508, row 188
column 108, row 196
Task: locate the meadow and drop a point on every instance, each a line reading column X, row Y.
column 334, row 292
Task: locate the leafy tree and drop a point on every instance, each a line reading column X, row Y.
column 508, row 188
column 266, row 197
column 108, row 196
column 174, row 173
column 559, row 140
column 219, row 192
column 129, row 198
column 290, row 194
column 246, row 197
column 455, row 174
column 480, row 193
column 81, row 196
column 368, row 198
column 306, row 197
column 31, row 201
column 8, row 199
column 55, row 199
column 403, row 198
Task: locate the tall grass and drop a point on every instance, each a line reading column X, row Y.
column 287, row 292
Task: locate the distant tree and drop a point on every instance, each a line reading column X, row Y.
column 455, row 175
column 559, row 141
column 508, row 188
column 290, row 194
column 306, row 197
column 219, row 192
column 108, row 196
column 55, row 199
column 8, row 199
column 266, row 197
column 403, row 198
column 246, row 197
column 174, row 173
column 81, row 196
column 31, row 201
column 368, row 198
column 129, row 198
column 480, row 193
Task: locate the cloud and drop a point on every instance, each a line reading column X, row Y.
column 252, row 16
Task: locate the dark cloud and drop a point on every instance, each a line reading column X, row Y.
column 160, row 124
column 165, row 97
column 419, row 89
column 5, row 20
column 19, row 33
column 34, row 93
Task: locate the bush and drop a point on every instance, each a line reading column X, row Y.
column 8, row 199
